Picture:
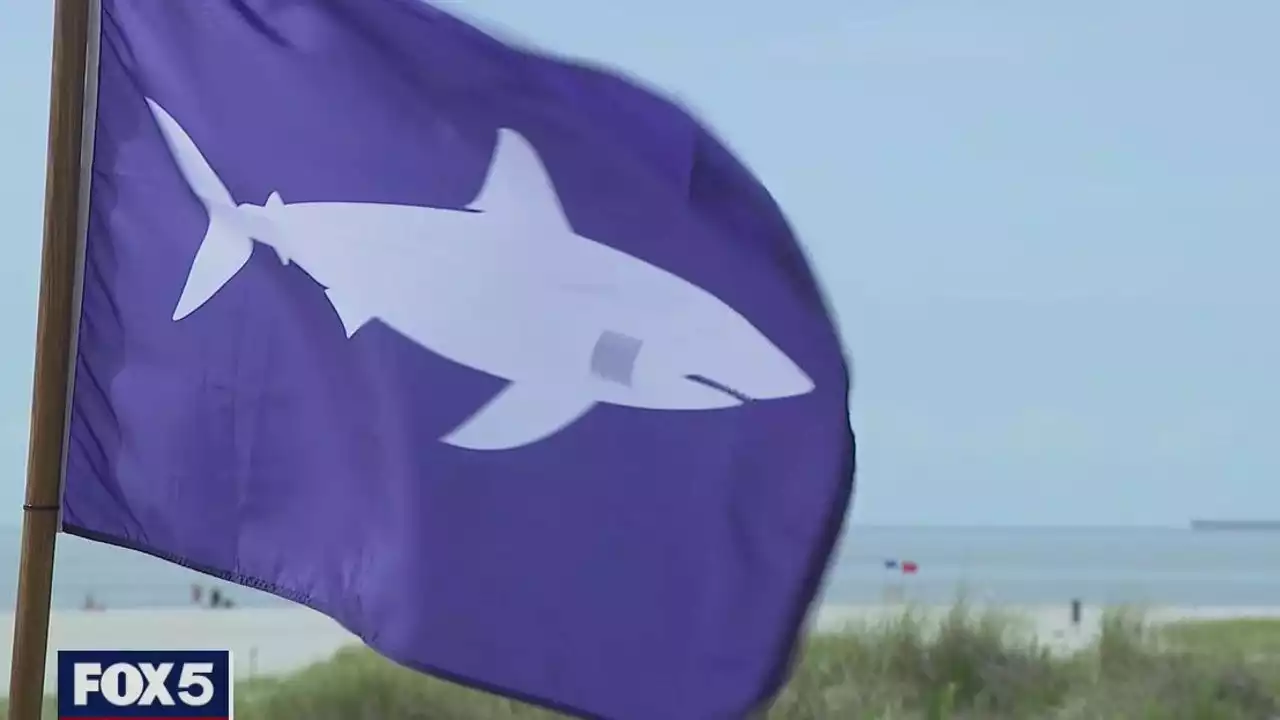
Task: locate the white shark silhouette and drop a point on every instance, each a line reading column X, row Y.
column 505, row 287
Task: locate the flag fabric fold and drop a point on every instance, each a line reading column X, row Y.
column 502, row 361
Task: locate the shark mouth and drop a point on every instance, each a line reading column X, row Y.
column 701, row 380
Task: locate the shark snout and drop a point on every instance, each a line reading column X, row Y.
column 780, row 378
column 784, row 378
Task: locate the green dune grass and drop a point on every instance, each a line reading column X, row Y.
column 970, row 666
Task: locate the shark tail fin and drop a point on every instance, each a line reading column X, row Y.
column 226, row 246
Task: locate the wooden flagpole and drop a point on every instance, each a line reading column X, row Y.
column 54, row 336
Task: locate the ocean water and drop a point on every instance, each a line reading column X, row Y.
column 1018, row 566
column 1100, row 566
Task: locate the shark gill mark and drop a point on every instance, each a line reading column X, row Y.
column 614, row 357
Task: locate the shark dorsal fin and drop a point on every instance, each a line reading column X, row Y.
column 518, row 185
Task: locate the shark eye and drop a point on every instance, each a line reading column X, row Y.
column 614, row 357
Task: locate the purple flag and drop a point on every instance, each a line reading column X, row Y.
column 503, row 362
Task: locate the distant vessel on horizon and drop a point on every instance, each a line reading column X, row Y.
column 1237, row 525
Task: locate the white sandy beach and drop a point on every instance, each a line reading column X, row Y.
column 275, row 641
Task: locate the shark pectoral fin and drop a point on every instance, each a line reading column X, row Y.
column 352, row 315
column 521, row 414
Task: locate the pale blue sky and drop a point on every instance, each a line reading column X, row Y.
column 1049, row 230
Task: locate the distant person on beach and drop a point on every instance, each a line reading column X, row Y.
column 197, row 594
column 217, row 600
